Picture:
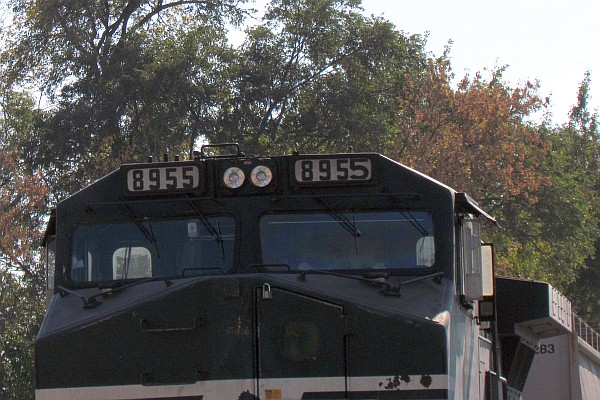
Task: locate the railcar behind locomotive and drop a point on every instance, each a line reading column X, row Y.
column 336, row 276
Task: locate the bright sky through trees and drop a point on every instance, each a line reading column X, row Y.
column 554, row 41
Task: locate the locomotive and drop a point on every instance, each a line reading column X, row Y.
column 303, row 276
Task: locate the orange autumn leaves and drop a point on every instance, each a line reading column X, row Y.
column 476, row 137
column 22, row 202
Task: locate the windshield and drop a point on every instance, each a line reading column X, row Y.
column 148, row 248
column 349, row 240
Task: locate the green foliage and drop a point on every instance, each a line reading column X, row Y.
column 554, row 237
column 22, row 212
column 540, row 182
column 551, row 239
column 21, row 312
column 581, row 151
column 129, row 79
column 584, row 291
column 317, row 76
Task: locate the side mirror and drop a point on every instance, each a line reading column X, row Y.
column 486, row 304
column 487, row 269
column 479, row 282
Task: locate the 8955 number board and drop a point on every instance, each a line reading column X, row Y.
column 333, row 170
column 153, row 179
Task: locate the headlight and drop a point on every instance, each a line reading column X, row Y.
column 233, row 177
column 261, row 176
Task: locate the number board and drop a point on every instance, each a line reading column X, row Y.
column 333, row 170
column 159, row 179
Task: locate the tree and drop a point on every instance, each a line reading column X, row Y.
column 127, row 79
column 317, row 76
column 132, row 79
column 553, row 237
column 475, row 137
column 21, row 313
column 581, row 151
column 22, row 278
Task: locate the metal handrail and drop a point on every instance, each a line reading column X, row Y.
column 586, row 332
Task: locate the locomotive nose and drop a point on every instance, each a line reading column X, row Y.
column 314, row 347
column 241, row 338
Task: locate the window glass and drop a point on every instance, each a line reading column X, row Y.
column 425, row 251
column 132, row 262
column 146, row 248
column 348, row 240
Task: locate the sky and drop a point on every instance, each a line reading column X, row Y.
column 552, row 41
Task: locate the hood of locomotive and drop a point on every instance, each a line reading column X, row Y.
column 248, row 336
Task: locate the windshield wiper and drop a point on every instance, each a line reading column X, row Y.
column 348, row 225
column 148, row 233
column 392, row 290
column 415, row 223
column 381, row 280
column 215, row 232
column 88, row 302
column 387, row 288
column 109, row 289
column 112, row 288
column 437, row 275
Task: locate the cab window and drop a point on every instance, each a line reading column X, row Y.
column 148, row 248
column 349, row 240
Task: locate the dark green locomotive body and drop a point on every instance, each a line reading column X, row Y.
column 302, row 276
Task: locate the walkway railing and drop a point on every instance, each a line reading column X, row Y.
column 586, row 332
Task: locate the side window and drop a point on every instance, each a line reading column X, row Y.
column 132, row 262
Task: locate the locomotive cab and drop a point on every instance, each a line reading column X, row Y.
column 288, row 277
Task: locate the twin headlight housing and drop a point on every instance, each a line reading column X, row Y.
column 260, row 176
